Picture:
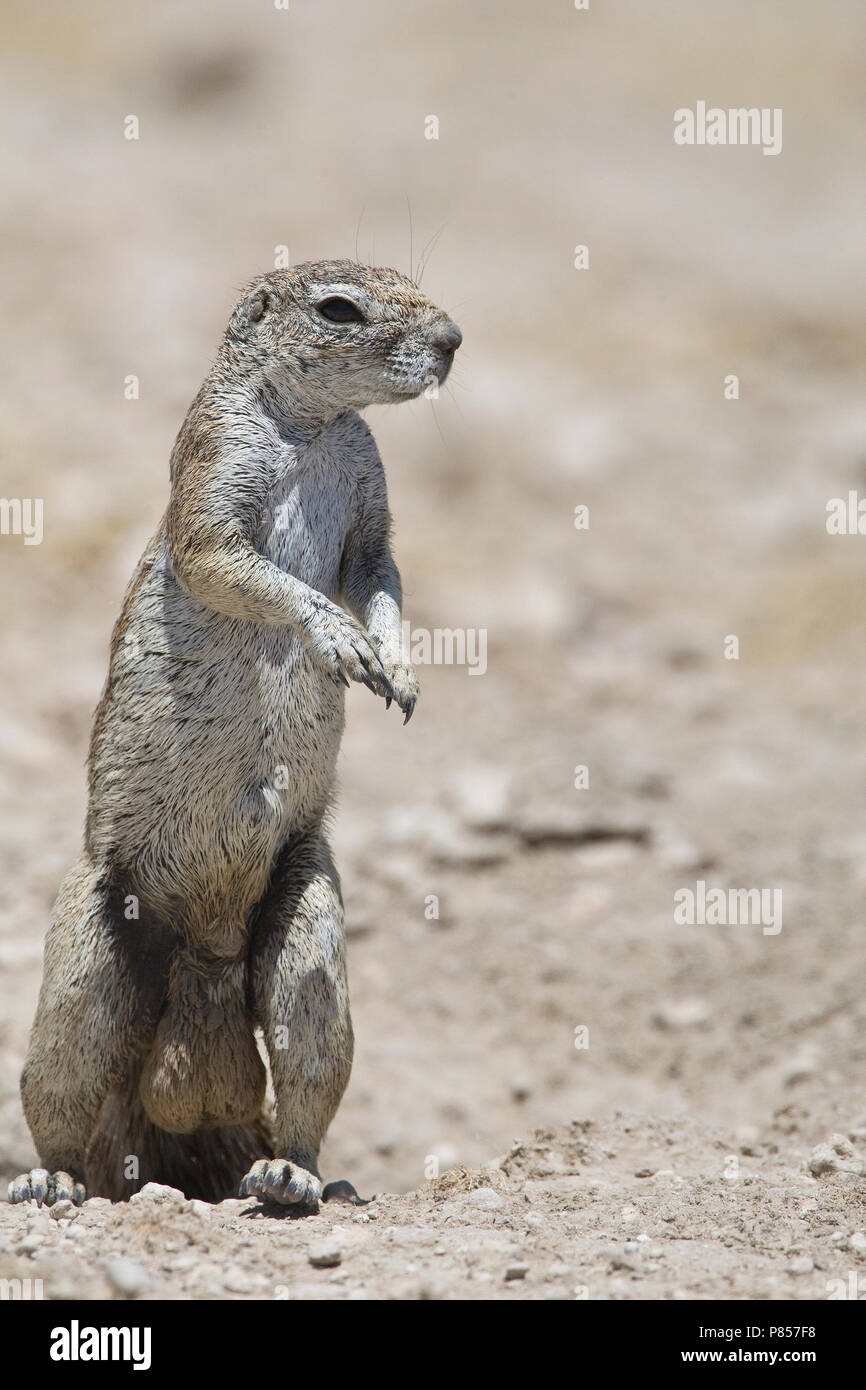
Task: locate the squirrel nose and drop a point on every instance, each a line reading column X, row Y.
column 449, row 338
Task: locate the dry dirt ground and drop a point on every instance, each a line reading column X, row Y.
column 630, row 1208
column 712, row 1058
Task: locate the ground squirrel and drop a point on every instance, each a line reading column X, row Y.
column 206, row 901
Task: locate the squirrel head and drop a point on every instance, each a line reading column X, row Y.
column 329, row 336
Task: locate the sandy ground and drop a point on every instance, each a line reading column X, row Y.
column 606, row 647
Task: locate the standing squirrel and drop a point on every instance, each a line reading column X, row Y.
column 206, row 901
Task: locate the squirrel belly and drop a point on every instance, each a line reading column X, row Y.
column 227, row 734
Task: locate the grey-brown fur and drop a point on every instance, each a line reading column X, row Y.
column 212, row 767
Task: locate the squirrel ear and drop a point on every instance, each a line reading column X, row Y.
column 250, row 311
column 257, row 304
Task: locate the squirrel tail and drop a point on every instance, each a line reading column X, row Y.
column 129, row 1150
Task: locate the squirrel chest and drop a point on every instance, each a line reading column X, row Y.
column 312, row 509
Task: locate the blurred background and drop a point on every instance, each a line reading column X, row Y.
column 600, row 387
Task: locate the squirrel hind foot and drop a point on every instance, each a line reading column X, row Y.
column 278, row 1181
column 46, row 1188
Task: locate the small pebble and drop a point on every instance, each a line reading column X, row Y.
column 680, row 1014
column 64, row 1211
column 801, row 1067
column 518, row 1270
column 159, row 1193
column 822, row 1160
column 841, row 1145
column 126, row 1277
column 324, row 1254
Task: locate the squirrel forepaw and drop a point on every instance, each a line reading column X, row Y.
column 346, row 650
column 401, row 675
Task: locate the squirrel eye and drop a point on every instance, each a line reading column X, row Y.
column 337, row 310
